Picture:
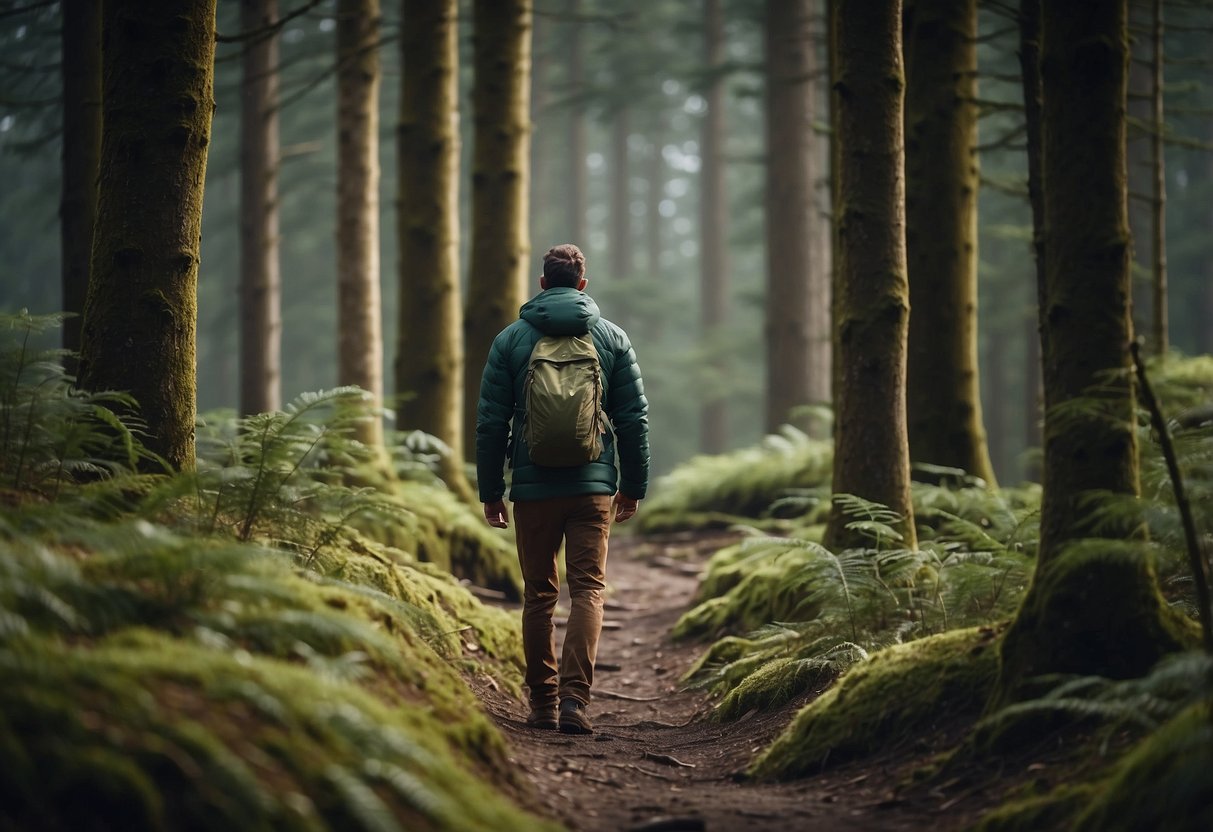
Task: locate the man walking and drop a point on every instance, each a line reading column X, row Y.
column 569, row 498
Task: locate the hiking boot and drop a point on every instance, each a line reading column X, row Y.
column 573, row 719
column 542, row 717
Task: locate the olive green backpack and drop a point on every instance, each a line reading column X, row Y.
column 563, row 393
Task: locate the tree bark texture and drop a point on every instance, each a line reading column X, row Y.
column 429, row 350
column 359, row 336
column 81, row 157
column 714, row 236
column 141, row 315
column 620, row 243
column 260, row 280
column 1159, row 329
column 579, row 183
column 541, row 33
column 1086, row 612
column 943, row 400
column 1029, row 63
column 871, row 457
column 1206, row 335
column 1140, row 166
column 798, row 288
column 501, row 248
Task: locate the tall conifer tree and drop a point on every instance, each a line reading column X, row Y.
column 429, row 351
column 871, row 304
column 359, row 339
column 260, row 278
column 140, row 320
column 798, row 288
column 942, row 399
column 500, row 257
column 81, row 154
column 1090, row 609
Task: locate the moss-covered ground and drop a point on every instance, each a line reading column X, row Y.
column 899, row 694
column 160, row 681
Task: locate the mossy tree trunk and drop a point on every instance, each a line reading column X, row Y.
column 1029, row 64
column 797, row 286
column 871, row 457
column 429, row 349
column 141, row 315
column 943, row 402
column 578, row 186
column 541, row 37
column 500, row 250
column 1159, row 329
column 1138, row 147
column 1090, row 609
column 1206, row 338
column 359, row 339
column 620, row 238
column 260, row 280
column 81, row 155
column 713, row 237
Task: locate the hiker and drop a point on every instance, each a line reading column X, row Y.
column 573, row 368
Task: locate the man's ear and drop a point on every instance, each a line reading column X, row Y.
column 582, row 283
column 543, row 282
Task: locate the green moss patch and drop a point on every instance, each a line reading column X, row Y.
column 164, row 680
column 440, row 529
column 143, row 731
column 709, row 491
column 905, row 691
column 1066, row 625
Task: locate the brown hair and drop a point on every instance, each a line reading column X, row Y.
column 564, row 265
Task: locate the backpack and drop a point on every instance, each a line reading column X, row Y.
column 564, row 423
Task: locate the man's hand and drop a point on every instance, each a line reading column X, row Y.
column 498, row 515
column 625, row 507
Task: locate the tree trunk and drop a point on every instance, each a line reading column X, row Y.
column 1139, row 146
column 871, row 457
column 713, row 237
column 359, row 336
column 578, row 184
column 81, row 155
column 141, row 315
column 497, row 280
column 540, row 34
column 620, row 241
column 943, row 401
column 1159, row 329
column 653, row 221
column 260, row 312
column 429, row 351
column 1206, row 334
column 798, row 291
column 1090, row 610
column 1029, row 62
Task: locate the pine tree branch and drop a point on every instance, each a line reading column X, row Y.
column 255, row 36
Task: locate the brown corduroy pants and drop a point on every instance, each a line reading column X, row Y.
column 583, row 522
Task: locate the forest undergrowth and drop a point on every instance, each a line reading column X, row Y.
column 273, row 640
column 282, row 636
column 911, row 635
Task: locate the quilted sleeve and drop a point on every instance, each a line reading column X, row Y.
column 629, row 413
column 493, row 414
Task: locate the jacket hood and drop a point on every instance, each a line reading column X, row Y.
column 561, row 310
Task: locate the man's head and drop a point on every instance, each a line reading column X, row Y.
column 563, row 265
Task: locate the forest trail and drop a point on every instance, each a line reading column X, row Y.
column 656, row 761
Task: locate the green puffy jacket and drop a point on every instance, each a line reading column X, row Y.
column 560, row 311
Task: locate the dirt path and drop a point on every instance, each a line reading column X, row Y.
column 655, row 762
